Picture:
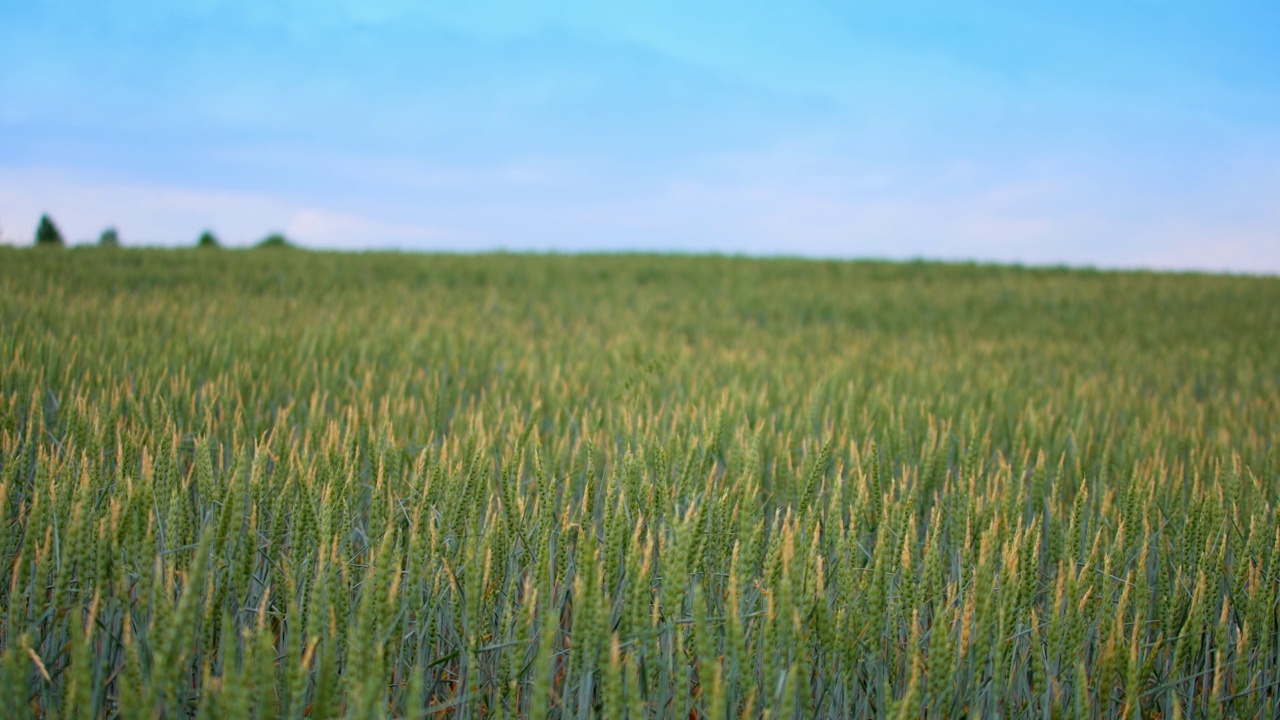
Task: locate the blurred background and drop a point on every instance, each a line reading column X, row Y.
column 1128, row 133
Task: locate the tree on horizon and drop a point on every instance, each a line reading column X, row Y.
column 275, row 240
column 47, row 234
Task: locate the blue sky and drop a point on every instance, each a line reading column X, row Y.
column 1117, row 134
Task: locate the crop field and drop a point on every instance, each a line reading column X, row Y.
column 274, row 483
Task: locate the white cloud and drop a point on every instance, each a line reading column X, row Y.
column 1048, row 215
column 336, row 230
column 84, row 203
column 767, row 205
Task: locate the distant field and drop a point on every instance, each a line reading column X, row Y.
column 276, row 483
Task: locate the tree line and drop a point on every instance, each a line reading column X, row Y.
column 48, row 235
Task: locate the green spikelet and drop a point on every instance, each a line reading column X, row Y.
column 540, row 693
column 15, row 674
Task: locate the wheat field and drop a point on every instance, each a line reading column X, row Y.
column 258, row 484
